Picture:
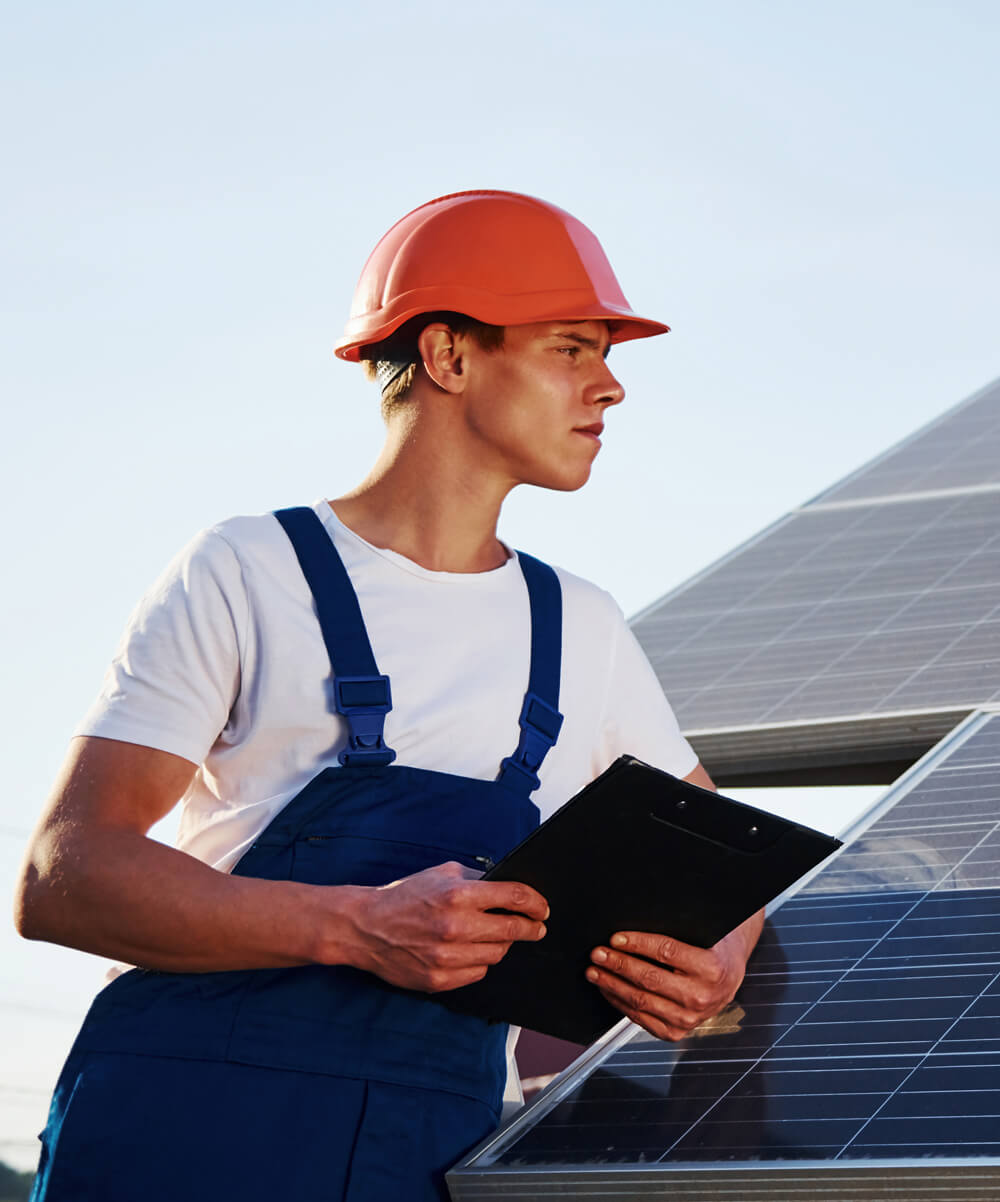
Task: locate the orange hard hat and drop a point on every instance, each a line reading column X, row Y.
column 499, row 257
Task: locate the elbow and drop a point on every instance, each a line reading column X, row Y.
column 29, row 921
column 42, row 894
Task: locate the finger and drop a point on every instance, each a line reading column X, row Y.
column 632, row 1000
column 701, row 995
column 458, row 923
column 683, row 957
column 441, row 982
column 511, row 895
column 652, row 978
column 504, row 928
column 449, row 956
column 656, row 1027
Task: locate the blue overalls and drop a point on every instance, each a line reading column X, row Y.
column 311, row 1083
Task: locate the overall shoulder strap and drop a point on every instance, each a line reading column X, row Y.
column 360, row 694
column 540, row 719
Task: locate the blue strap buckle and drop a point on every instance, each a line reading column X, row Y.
column 364, row 702
column 540, row 725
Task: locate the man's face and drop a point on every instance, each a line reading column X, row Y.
column 537, row 405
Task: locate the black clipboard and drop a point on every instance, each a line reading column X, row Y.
column 639, row 850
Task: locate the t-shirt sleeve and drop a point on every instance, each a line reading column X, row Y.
column 176, row 673
column 638, row 719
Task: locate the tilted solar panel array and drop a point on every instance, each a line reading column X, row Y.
column 857, row 629
column 862, row 1055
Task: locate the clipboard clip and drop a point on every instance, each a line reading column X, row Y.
column 710, row 816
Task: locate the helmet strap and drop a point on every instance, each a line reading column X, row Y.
column 388, row 370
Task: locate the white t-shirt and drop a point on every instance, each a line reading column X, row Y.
column 223, row 663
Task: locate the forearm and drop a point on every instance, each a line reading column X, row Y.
column 93, row 880
column 119, row 894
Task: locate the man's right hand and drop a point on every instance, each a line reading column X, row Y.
column 434, row 931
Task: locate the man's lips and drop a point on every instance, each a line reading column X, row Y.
column 595, row 430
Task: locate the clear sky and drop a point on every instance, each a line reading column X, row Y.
column 807, row 193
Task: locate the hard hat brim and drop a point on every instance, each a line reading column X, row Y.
column 623, row 324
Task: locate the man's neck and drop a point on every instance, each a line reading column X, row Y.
column 426, row 501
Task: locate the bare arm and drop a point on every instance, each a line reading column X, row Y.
column 669, row 987
column 93, row 880
column 698, row 776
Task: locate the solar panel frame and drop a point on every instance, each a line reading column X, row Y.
column 900, row 887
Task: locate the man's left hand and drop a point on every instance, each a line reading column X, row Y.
column 669, row 987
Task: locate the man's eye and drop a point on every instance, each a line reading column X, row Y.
column 569, row 350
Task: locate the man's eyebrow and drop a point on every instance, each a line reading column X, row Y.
column 594, row 344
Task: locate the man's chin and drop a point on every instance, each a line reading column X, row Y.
column 562, row 484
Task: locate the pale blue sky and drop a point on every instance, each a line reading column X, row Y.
column 807, row 193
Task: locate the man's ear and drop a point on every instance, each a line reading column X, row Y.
column 441, row 351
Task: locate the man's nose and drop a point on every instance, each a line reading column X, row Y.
column 611, row 392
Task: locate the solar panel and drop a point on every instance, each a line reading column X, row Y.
column 861, row 1059
column 872, row 602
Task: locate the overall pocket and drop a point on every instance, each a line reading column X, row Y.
column 347, row 859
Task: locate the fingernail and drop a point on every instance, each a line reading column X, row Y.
column 593, row 974
column 619, row 941
column 541, row 931
column 547, row 912
column 600, row 955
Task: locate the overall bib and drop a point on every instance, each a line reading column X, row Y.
column 311, row 1083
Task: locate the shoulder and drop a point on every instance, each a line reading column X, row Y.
column 587, row 601
column 225, row 564
column 237, row 552
column 245, row 536
column 593, row 626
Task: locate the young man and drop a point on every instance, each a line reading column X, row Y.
column 334, row 695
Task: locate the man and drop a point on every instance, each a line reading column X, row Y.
column 333, row 692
